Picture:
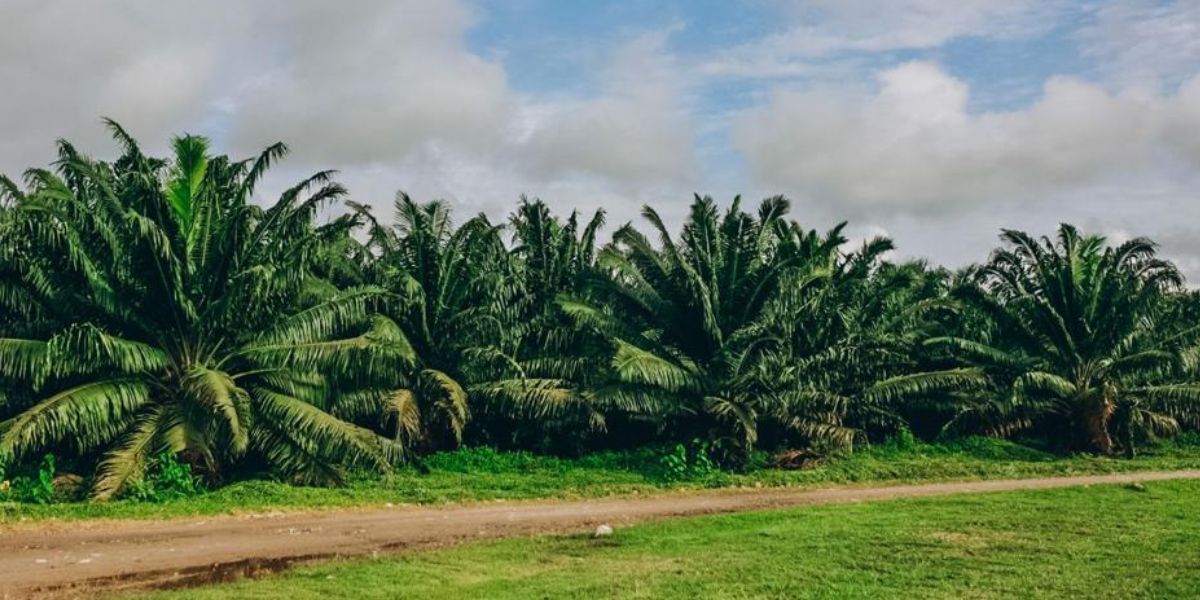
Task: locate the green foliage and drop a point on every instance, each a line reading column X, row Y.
column 1079, row 340
column 904, row 440
column 485, row 459
column 42, row 491
column 688, row 323
column 150, row 307
column 35, row 488
column 688, row 462
column 483, row 474
column 167, row 478
column 1067, row 543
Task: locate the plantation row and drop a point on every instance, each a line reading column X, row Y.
column 149, row 306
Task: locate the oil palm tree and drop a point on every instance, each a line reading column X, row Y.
column 853, row 367
column 488, row 338
column 163, row 311
column 1074, row 340
column 686, row 320
column 445, row 283
column 537, row 389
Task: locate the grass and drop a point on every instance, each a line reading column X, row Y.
column 483, row 475
column 1093, row 542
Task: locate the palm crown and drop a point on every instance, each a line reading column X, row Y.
column 685, row 319
column 1072, row 332
column 161, row 310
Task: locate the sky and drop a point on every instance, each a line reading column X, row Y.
column 935, row 122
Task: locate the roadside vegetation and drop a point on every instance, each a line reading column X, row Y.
column 173, row 336
column 483, row 474
column 1140, row 541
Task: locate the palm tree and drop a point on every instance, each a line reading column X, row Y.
column 1073, row 337
column 556, row 256
column 853, row 367
column 537, row 387
column 162, row 311
column 686, row 321
column 445, row 283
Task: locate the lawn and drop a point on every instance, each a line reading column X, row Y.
column 483, row 474
column 1095, row 542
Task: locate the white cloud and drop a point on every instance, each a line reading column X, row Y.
column 1147, row 43
column 636, row 131
column 394, row 95
column 369, row 82
column 66, row 64
column 388, row 92
column 156, row 91
column 630, row 144
column 913, row 144
column 818, row 30
column 1183, row 122
column 881, row 26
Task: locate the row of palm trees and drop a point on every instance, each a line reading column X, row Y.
column 151, row 305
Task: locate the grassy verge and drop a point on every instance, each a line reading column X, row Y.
column 1096, row 542
column 483, row 474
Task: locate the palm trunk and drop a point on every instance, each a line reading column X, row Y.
column 1092, row 422
column 202, row 466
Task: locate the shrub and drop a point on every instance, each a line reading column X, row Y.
column 168, row 478
column 684, row 462
column 485, row 459
column 38, row 488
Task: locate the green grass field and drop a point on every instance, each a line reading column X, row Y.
column 482, row 474
column 1094, row 542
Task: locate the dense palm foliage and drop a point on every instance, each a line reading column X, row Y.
column 855, row 367
column 685, row 319
column 1077, row 337
column 150, row 306
column 435, row 274
column 155, row 305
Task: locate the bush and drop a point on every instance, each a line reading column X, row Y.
column 685, row 462
column 484, row 459
column 38, row 488
column 904, row 440
column 647, row 459
column 168, row 478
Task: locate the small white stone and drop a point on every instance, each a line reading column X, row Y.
column 604, row 531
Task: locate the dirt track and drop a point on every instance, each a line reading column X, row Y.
column 79, row 559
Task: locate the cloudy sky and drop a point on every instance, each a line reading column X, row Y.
column 933, row 121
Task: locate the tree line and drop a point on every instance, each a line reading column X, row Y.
column 151, row 305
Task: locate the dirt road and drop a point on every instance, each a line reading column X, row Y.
column 79, row 559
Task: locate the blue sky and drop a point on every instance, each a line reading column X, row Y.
column 552, row 47
column 558, row 48
column 933, row 121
